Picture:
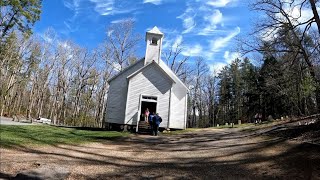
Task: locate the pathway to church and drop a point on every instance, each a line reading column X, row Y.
column 202, row 154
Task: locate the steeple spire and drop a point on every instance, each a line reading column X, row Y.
column 154, row 45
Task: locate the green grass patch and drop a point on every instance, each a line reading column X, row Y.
column 19, row 136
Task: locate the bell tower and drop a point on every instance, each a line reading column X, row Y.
column 154, row 45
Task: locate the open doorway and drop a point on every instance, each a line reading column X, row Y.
column 152, row 106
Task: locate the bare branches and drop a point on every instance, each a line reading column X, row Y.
column 123, row 42
column 285, row 32
column 176, row 61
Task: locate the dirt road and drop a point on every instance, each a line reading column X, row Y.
column 203, row 154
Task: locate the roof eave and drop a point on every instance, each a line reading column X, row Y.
column 153, row 62
column 115, row 76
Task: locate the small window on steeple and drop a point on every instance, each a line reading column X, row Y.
column 154, row 41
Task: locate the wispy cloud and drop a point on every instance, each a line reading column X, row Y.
column 70, row 23
column 188, row 20
column 178, row 41
column 188, row 24
column 155, row 2
column 212, row 22
column 49, row 35
column 172, row 41
column 216, row 67
column 73, row 5
column 112, row 7
column 220, row 3
column 231, row 56
column 203, row 18
column 221, row 42
column 193, row 50
column 103, row 7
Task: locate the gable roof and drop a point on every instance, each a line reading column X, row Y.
column 152, row 63
column 163, row 66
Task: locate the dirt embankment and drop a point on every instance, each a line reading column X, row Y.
column 305, row 129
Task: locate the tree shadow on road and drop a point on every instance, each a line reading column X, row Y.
column 209, row 155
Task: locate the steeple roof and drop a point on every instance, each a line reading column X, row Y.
column 155, row 30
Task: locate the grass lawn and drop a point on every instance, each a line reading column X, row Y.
column 19, row 136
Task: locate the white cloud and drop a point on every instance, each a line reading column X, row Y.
column 220, row 3
column 216, row 68
column 188, row 24
column 231, row 56
column 177, row 41
column 103, row 7
column 296, row 16
column 294, row 11
column 194, row 50
column 222, row 42
column 112, row 7
column 109, row 33
column 204, row 18
column 168, row 43
column 188, row 20
column 212, row 21
column 215, row 18
column 73, row 5
column 155, row 2
column 269, row 34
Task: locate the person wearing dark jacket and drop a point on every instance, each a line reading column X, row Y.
column 150, row 121
column 156, row 120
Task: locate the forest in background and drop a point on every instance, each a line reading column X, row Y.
column 63, row 81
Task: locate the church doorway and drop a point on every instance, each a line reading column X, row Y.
column 148, row 102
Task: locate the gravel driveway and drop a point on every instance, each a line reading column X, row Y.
column 203, row 154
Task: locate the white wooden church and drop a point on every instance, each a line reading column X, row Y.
column 149, row 83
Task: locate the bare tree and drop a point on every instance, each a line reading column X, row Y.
column 123, row 42
column 176, row 61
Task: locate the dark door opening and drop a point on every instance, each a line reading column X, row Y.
column 152, row 106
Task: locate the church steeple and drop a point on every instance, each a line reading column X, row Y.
column 154, row 45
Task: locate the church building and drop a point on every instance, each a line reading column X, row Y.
column 148, row 83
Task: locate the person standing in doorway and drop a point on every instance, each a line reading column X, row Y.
column 156, row 120
column 146, row 115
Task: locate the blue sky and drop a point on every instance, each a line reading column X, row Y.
column 206, row 28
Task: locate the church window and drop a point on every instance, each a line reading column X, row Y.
column 154, row 41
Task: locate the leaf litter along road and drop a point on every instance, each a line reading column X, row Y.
column 201, row 154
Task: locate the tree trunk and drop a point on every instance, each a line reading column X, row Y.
column 315, row 13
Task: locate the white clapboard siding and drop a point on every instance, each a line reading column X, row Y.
column 178, row 107
column 150, row 81
column 117, row 95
